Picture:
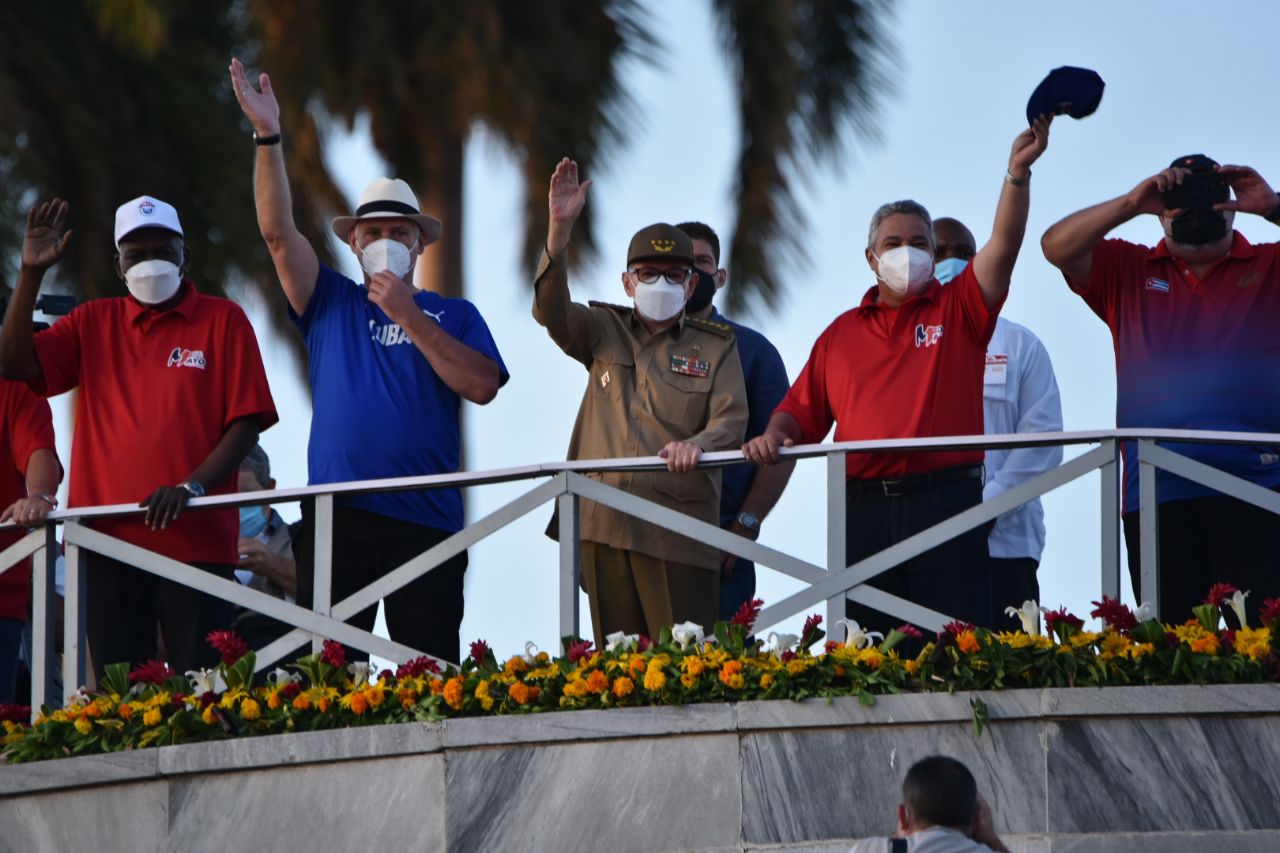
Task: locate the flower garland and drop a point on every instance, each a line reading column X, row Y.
column 152, row 705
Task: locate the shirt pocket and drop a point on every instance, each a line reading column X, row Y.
column 610, row 373
column 681, row 402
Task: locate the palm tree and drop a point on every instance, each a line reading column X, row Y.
column 543, row 78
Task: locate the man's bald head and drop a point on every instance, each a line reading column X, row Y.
column 953, row 240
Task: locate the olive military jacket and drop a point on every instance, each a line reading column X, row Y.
column 645, row 390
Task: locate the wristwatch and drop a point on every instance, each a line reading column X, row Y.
column 193, row 488
column 273, row 139
column 749, row 523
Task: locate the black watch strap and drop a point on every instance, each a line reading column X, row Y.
column 273, row 139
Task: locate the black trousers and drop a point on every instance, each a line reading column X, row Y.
column 953, row 578
column 424, row 615
column 124, row 605
column 1204, row 541
column 1013, row 581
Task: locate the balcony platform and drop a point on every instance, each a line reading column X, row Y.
column 1166, row 769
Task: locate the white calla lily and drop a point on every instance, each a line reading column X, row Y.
column 782, row 642
column 856, row 637
column 283, row 676
column 530, row 653
column 206, row 681
column 686, row 633
column 621, row 638
column 1028, row 615
column 1236, row 602
column 1145, row 611
column 359, row 671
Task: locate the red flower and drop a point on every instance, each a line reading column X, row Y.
column 643, row 643
column 909, row 630
column 229, row 645
column 787, row 655
column 748, row 613
column 811, row 623
column 152, row 672
column 478, row 650
column 416, row 667
column 1052, row 618
column 333, row 654
column 177, row 701
column 290, row 690
column 578, row 650
column 956, row 627
column 830, row 646
column 1229, row 640
column 1219, row 593
column 1115, row 614
column 386, row 675
column 15, row 713
column 207, row 698
column 1270, row 610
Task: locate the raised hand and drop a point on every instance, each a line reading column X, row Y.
column 1148, row 196
column 567, row 197
column 1253, row 194
column 261, row 107
column 1028, row 146
column 46, row 239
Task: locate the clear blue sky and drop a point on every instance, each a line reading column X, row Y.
column 1181, row 77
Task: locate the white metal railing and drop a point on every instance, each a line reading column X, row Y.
column 833, row 583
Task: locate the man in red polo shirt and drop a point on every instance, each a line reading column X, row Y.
column 29, row 475
column 1194, row 324
column 172, row 394
column 908, row 363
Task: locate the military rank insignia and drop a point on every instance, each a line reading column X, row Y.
column 690, row 366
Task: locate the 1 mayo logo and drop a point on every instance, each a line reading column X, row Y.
column 927, row 336
column 186, row 358
column 146, row 208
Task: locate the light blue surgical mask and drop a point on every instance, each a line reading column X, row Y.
column 946, row 270
column 252, row 521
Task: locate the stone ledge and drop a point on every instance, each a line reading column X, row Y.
column 562, row 726
column 66, row 773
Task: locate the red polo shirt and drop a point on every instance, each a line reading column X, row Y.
column 26, row 425
column 157, row 391
column 907, row 372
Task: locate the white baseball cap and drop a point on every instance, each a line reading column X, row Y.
column 145, row 212
column 388, row 198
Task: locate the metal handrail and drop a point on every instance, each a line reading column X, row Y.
column 835, row 583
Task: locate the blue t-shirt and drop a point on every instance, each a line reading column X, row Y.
column 766, row 380
column 379, row 410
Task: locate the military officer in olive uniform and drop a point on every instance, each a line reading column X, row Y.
column 660, row 382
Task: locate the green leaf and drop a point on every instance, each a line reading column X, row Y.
column 980, row 715
column 116, row 679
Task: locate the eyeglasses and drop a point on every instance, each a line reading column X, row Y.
column 648, row 275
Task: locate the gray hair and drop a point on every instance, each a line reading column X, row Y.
column 907, row 206
column 256, row 461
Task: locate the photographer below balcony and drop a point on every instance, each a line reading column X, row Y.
column 1193, row 321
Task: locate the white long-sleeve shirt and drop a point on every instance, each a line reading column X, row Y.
column 1019, row 394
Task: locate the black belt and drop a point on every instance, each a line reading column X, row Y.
column 897, row 486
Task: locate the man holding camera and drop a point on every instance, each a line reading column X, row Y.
column 1193, row 321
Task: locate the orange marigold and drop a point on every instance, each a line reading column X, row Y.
column 436, row 686
column 523, row 693
column 655, row 679
column 125, row 711
column 359, row 704
column 637, row 665
column 1208, row 644
column 453, row 693
column 967, row 642
column 597, row 682
column 623, row 687
column 731, row 675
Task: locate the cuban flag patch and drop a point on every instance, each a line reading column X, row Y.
column 1158, row 284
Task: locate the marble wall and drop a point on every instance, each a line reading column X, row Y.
column 1120, row 769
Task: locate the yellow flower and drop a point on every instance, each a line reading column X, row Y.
column 623, row 687
column 1114, row 646
column 1141, row 649
column 731, row 675
column 1253, row 643
column 152, row 717
column 636, row 666
column 693, row 665
column 516, row 665
column 208, row 716
column 766, row 681
column 250, row 709
column 911, row 666
column 83, row 726
column 1080, row 639
column 870, row 657
column 482, row 693
column 797, row 665
column 655, row 679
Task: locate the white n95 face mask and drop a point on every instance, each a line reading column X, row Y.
column 659, row 301
column 905, row 269
column 152, row 282
column 386, row 254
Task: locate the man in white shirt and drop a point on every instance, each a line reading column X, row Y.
column 1019, row 394
column 941, row 812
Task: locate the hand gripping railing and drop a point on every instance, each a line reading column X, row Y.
column 832, row 584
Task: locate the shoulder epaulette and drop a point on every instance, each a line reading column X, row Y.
column 724, row 330
column 621, row 309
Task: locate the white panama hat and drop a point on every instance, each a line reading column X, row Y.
column 388, row 198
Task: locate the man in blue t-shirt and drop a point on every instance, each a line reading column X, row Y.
column 747, row 491
column 389, row 367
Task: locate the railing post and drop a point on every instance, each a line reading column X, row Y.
column 44, row 596
column 1149, row 528
column 74, row 642
column 570, row 564
column 837, row 488
column 322, row 580
column 1110, row 504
